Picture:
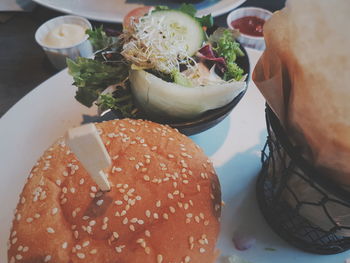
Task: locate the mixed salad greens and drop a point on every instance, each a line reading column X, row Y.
column 161, row 48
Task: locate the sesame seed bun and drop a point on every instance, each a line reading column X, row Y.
column 164, row 204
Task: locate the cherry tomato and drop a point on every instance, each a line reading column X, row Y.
column 135, row 14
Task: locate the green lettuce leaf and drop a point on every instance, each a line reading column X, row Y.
column 98, row 38
column 224, row 44
column 188, row 9
column 206, row 21
column 92, row 77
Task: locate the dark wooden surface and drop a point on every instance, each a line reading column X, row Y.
column 23, row 64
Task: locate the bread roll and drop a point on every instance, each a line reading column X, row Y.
column 164, row 205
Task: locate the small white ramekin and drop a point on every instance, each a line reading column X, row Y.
column 247, row 40
column 57, row 56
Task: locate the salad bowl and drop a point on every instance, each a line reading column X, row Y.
column 167, row 66
column 209, row 118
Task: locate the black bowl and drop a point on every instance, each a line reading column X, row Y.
column 212, row 117
column 209, row 118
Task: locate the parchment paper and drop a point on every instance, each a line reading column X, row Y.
column 304, row 74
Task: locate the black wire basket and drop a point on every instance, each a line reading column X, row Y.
column 301, row 205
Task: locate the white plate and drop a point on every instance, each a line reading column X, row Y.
column 115, row 10
column 30, row 127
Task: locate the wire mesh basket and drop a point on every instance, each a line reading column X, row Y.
column 301, row 205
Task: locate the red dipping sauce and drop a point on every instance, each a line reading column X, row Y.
column 249, row 25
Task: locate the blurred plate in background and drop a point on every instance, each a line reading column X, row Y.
column 115, row 10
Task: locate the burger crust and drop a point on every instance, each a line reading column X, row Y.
column 164, row 204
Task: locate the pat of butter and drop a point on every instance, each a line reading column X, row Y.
column 65, row 35
column 87, row 145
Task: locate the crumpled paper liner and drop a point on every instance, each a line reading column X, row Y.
column 304, row 74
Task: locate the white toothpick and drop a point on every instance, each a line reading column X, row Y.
column 87, row 145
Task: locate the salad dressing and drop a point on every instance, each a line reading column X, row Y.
column 65, row 35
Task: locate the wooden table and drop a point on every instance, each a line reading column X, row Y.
column 23, row 64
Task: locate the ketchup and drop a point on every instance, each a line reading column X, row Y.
column 249, row 25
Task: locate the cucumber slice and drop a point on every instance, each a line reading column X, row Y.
column 183, row 24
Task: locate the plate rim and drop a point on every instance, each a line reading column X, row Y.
column 119, row 19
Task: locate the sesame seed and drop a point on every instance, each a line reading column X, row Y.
column 140, row 222
column 189, row 215
column 165, row 216
column 37, row 215
column 93, row 189
column 92, row 195
column 187, row 259
column 99, row 202
column 147, row 233
column 29, row 220
column 202, row 250
column 148, row 213
column 86, row 243
column 104, row 226
column 86, row 217
column 81, row 255
column 125, row 220
column 196, row 218
column 140, row 240
column 19, row 257
column 81, row 181
column 93, row 251
column 158, row 203
column 115, row 235
column 92, row 223
column 131, row 227
column 170, row 196
column 47, row 258
column 155, row 216
column 146, row 178
column 159, row 258
column 119, row 249
column 14, row 240
column 19, row 248
column 116, row 169
column 50, row 230
column 63, row 201
column 172, row 209
column 64, row 245
column 25, row 249
column 147, row 250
